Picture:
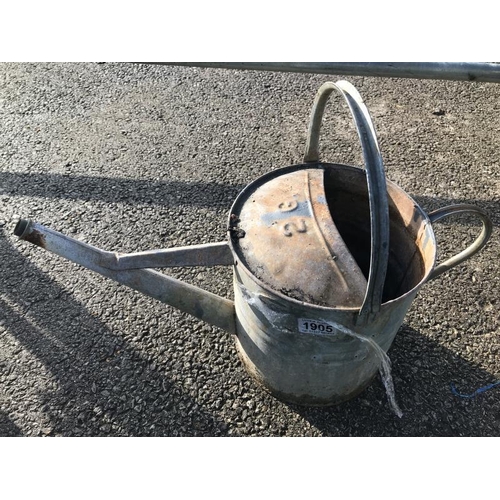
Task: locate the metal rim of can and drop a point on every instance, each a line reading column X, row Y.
column 250, row 188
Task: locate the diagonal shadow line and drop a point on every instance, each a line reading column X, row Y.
column 175, row 193
column 112, row 189
column 51, row 327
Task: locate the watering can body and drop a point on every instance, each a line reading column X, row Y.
column 308, row 353
column 300, row 341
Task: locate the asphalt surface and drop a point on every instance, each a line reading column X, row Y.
column 135, row 157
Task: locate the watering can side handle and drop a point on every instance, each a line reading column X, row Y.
column 377, row 187
column 473, row 248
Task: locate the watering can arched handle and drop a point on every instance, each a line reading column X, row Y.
column 377, row 187
column 474, row 247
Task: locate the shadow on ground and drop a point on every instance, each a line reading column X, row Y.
column 422, row 371
column 7, row 427
column 112, row 190
column 166, row 193
column 98, row 383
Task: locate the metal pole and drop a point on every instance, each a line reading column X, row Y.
column 461, row 71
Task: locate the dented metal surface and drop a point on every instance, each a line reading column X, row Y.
column 291, row 242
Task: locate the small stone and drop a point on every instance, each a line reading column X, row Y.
column 438, row 112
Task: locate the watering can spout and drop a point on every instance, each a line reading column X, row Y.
column 134, row 270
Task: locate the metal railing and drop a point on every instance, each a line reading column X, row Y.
column 461, row 71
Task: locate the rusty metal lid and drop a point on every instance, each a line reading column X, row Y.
column 283, row 232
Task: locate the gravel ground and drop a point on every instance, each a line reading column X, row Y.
column 134, row 157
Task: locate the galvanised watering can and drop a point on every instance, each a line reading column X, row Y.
column 327, row 259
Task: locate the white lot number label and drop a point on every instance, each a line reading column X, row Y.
column 314, row 326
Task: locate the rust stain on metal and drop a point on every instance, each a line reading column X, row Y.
column 36, row 238
column 291, row 242
column 235, row 231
